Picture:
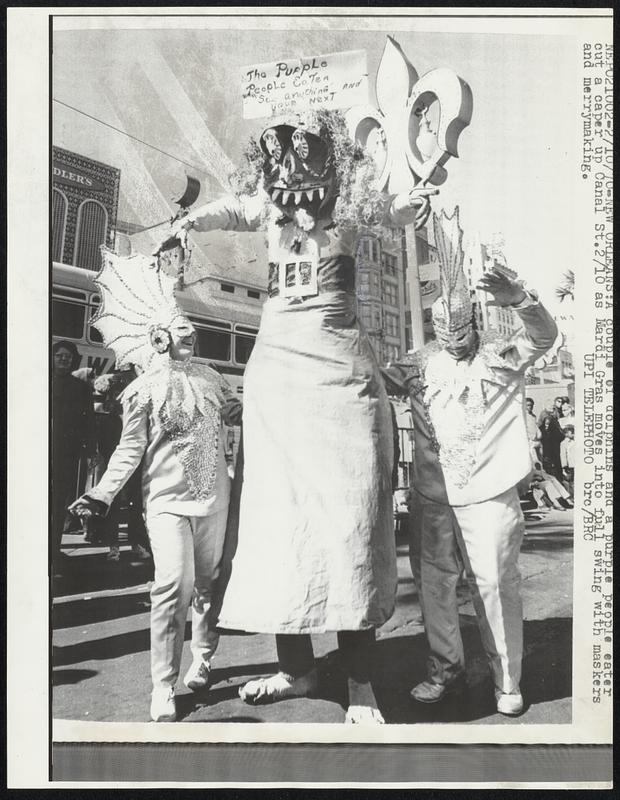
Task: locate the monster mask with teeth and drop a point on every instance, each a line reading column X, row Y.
column 298, row 174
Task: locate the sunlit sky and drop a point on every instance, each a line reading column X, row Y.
column 178, row 89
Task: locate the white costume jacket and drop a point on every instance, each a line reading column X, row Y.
column 172, row 421
column 470, row 435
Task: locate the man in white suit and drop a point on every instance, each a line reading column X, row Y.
column 471, row 450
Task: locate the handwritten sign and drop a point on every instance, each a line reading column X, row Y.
column 336, row 80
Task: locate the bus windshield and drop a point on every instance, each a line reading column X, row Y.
column 68, row 319
column 243, row 348
column 212, row 344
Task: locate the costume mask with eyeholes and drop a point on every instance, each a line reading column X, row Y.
column 458, row 342
column 452, row 321
column 298, row 172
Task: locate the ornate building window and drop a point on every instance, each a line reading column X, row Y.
column 92, row 223
column 59, row 224
column 390, row 293
column 392, row 324
column 389, row 264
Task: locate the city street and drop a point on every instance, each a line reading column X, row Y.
column 101, row 647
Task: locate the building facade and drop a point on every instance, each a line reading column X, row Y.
column 84, row 208
column 481, row 258
column 381, row 291
column 428, row 270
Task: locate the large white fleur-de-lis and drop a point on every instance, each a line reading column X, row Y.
column 398, row 133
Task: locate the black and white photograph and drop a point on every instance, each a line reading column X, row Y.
column 324, row 342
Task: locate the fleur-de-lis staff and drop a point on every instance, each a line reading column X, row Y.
column 408, row 153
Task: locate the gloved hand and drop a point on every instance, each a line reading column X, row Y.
column 175, row 235
column 232, row 411
column 414, row 206
column 86, row 506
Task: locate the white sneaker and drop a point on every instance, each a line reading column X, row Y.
column 163, row 707
column 197, row 676
column 509, row 704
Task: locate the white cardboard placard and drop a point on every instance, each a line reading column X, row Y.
column 335, row 80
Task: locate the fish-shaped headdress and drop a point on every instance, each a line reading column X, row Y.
column 452, row 310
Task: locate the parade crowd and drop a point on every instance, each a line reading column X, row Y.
column 86, row 427
column 552, row 439
column 307, row 545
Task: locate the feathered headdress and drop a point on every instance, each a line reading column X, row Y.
column 453, row 309
column 137, row 307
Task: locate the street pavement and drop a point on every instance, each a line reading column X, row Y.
column 100, row 623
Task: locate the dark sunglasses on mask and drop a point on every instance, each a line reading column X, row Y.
column 309, row 148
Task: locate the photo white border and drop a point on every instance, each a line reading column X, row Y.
column 27, row 581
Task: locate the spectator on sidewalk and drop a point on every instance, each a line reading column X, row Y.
column 555, row 410
column 73, row 438
column 548, row 491
column 402, row 509
column 551, row 437
column 567, row 459
column 568, row 417
column 109, row 425
column 533, row 431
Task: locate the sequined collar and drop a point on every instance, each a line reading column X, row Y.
column 176, row 389
column 186, row 397
column 455, row 396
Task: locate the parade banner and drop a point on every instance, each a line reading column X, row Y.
column 335, row 80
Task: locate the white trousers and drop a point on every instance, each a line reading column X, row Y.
column 187, row 552
column 484, row 538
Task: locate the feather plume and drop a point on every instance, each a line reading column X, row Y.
column 136, row 298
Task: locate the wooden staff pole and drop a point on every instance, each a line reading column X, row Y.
column 415, row 296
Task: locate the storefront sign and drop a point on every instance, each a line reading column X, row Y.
column 336, row 80
column 72, row 177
